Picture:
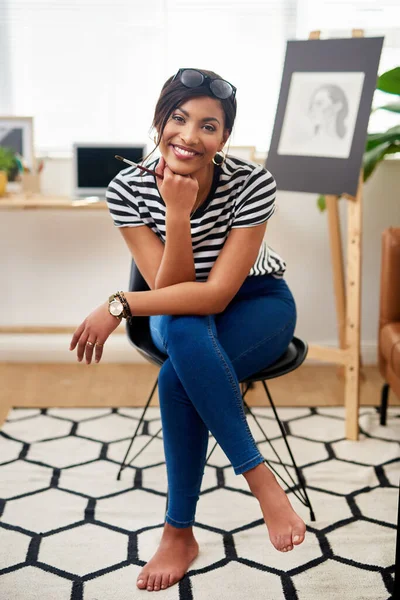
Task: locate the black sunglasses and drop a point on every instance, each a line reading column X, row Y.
column 192, row 78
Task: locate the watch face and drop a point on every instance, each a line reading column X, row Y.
column 116, row 308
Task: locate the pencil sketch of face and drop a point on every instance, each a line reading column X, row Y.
column 321, row 114
column 328, row 110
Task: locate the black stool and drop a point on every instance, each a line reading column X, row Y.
column 139, row 336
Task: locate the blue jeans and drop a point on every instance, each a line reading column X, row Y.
column 198, row 384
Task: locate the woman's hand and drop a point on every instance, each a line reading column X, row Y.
column 93, row 332
column 179, row 192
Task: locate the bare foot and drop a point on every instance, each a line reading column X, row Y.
column 285, row 527
column 178, row 548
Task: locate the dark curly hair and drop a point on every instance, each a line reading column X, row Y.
column 174, row 93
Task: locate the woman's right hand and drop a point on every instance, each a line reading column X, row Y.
column 179, row 192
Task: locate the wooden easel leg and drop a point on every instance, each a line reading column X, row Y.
column 332, row 203
column 353, row 320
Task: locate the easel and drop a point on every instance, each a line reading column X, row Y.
column 347, row 296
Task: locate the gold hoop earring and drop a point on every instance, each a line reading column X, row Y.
column 220, row 161
column 155, row 139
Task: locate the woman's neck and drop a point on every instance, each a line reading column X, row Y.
column 205, row 178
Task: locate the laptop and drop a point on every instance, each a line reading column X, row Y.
column 95, row 165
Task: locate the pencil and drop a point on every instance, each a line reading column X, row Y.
column 129, row 162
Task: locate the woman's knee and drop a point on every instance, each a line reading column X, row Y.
column 183, row 329
column 170, row 387
column 167, row 379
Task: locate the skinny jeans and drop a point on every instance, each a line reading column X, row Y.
column 198, row 384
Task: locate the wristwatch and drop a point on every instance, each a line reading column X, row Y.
column 115, row 307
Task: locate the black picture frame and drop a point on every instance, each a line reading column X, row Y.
column 325, row 174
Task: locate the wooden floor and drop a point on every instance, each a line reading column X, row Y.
column 65, row 385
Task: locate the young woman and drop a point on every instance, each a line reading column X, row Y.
column 219, row 307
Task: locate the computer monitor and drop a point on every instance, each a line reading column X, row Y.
column 94, row 165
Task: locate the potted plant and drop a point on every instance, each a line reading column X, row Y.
column 8, row 167
column 380, row 144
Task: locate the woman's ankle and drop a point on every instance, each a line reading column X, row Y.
column 258, row 477
column 181, row 532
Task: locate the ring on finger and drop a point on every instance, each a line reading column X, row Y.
column 90, row 343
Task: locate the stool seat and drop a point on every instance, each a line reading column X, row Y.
column 138, row 332
column 290, row 360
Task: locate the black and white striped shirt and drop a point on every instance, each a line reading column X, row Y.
column 242, row 195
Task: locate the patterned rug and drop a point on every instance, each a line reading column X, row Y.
column 70, row 531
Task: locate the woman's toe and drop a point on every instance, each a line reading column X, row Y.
column 286, row 542
column 141, row 581
column 298, row 537
column 157, row 582
column 165, row 581
column 150, row 582
column 278, row 542
column 174, row 578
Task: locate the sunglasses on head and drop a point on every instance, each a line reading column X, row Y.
column 192, row 78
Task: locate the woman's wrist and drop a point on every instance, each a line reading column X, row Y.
column 127, row 314
column 177, row 214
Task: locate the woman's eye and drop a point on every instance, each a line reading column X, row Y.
column 181, row 120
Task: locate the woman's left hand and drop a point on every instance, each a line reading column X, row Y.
column 93, row 332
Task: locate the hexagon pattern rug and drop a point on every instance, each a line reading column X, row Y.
column 70, row 531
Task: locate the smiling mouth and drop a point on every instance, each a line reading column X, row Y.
column 183, row 152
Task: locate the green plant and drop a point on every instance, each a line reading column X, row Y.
column 380, row 144
column 8, row 161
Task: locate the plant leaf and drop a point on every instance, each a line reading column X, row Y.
column 392, row 135
column 394, row 107
column 389, row 82
column 7, row 159
column 321, row 203
column 372, row 157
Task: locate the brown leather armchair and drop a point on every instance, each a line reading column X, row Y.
column 389, row 317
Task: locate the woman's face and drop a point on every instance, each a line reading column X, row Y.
column 194, row 133
column 323, row 108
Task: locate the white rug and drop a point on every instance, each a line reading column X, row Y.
column 70, row 531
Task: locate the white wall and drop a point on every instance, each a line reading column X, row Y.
column 57, row 266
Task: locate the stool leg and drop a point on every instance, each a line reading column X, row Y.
column 305, row 500
column 384, row 402
column 212, row 450
column 123, row 465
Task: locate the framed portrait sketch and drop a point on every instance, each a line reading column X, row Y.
column 321, row 122
column 17, row 133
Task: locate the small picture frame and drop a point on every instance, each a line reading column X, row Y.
column 17, row 133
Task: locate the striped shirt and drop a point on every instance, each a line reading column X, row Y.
column 242, row 195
